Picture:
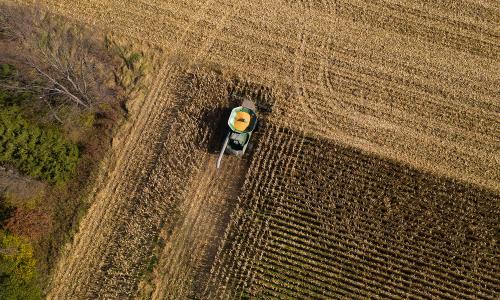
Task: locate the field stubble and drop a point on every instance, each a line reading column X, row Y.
column 415, row 83
column 398, row 81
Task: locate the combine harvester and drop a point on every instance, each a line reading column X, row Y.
column 242, row 122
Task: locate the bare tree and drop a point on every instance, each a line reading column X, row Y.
column 68, row 59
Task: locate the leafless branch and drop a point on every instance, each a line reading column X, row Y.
column 61, row 88
column 70, row 61
column 14, row 87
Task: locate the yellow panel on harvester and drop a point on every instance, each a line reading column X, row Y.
column 241, row 121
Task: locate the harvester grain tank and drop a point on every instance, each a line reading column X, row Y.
column 242, row 122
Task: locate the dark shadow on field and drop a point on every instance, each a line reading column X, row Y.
column 215, row 122
column 335, row 199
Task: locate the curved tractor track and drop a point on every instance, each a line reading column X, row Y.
column 412, row 84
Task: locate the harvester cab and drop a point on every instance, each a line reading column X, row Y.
column 242, row 122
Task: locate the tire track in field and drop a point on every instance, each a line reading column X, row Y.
column 179, row 274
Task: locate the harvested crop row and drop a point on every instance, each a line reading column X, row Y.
column 200, row 219
column 131, row 202
column 117, row 253
column 420, row 81
column 202, row 210
column 112, row 200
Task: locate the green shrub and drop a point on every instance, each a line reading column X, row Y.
column 38, row 152
column 6, row 210
column 18, row 99
column 17, row 269
column 7, row 71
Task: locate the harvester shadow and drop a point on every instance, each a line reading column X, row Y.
column 214, row 124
